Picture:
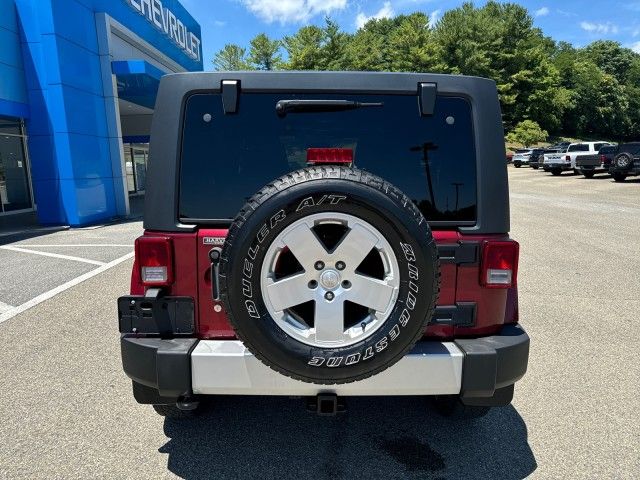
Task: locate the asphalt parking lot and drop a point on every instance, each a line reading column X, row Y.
column 67, row 409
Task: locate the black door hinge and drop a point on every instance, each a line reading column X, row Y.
column 461, row 253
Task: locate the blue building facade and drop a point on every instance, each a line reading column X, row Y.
column 78, row 80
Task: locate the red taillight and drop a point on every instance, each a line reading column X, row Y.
column 329, row 155
column 499, row 268
column 568, row 158
column 154, row 257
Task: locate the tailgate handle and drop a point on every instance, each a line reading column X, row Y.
column 214, row 256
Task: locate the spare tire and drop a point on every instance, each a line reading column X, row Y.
column 623, row 161
column 329, row 275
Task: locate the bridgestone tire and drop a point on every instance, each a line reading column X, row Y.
column 338, row 191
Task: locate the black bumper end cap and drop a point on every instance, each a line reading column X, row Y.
column 493, row 363
column 164, row 365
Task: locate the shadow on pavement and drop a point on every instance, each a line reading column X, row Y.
column 392, row 437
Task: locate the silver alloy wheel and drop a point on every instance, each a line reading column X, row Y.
column 329, row 279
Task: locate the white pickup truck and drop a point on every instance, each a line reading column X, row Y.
column 556, row 163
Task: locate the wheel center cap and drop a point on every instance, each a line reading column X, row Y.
column 329, row 279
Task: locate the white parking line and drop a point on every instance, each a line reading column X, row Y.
column 61, row 288
column 29, row 245
column 54, row 255
column 5, row 308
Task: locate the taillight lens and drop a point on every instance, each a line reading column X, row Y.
column 568, row 158
column 499, row 268
column 317, row 156
column 154, row 257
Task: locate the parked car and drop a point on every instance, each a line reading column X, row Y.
column 536, row 159
column 626, row 161
column 559, row 163
column 550, row 159
column 305, row 270
column 589, row 165
column 521, row 157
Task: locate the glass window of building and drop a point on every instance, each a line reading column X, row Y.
column 15, row 193
column 136, row 156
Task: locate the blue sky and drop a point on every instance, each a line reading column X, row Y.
column 237, row 21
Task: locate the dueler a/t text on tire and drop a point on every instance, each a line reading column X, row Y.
column 329, row 275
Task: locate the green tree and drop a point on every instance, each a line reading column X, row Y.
column 370, row 47
column 264, row 53
column 527, row 133
column 231, row 57
column 611, row 58
column 305, row 49
column 335, row 45
column 412, row 47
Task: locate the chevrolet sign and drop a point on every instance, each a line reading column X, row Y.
column 165, row 20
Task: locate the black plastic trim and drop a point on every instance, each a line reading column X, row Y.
column 493, row 362
column 162, row 364
column 493, row 193
column 461, row 253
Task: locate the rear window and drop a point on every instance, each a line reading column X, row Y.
column 523, row 151
column 607, row 149
column 581, row 147
column 228, row 158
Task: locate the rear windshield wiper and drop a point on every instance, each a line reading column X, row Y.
column 314, row 106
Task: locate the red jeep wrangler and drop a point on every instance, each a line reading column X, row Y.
column 325, row 235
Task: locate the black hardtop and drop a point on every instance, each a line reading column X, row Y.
column 161, row 203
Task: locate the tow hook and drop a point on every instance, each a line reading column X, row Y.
column 326, row 404
column 187, row 403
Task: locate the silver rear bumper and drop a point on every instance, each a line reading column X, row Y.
column 226, row 367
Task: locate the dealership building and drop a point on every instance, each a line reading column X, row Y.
column 78, row 81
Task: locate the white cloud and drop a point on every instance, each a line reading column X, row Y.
column 385, row 12
column 541, row 12
column 219, row 23
column 292, row 11
column 599, row 28
column 635, row 47
column 434, row 17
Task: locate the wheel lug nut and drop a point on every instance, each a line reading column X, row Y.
column 329, row 296
column 346, row 284
column 313, row 284
column 319, row 265
column 340, row 265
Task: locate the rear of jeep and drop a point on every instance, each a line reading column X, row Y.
column 325, row 235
